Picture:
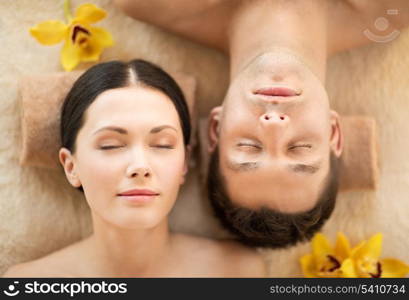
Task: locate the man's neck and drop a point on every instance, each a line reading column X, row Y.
column 264, row 26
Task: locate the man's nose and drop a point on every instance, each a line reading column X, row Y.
column 274, row 125
column 274, row 119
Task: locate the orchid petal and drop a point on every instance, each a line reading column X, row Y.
column 49, row 32
column 70, row 56
column 89, row 13
column 393, row 268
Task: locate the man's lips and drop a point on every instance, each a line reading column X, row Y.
column 277, row 91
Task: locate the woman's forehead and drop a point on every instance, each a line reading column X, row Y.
column 130, row 107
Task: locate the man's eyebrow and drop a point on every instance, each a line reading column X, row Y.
column 297, row 168
column 304, row 168
column 112, row 128
column 242, row 167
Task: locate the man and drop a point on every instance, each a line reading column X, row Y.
column 275, row 142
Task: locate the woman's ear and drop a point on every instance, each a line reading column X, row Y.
column 67, row 161
column 214, row 128
column 337, row 139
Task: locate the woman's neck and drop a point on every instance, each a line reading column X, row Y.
column 264, row 26
column 119, row 252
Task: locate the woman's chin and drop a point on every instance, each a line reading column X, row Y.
column 137, row 222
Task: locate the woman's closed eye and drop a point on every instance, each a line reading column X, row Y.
column 164, row 142
column 109, row 147
column 163, row 146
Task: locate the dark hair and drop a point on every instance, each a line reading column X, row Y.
column 111, row 75
column 266, row 227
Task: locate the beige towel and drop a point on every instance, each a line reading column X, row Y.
column 41, row 101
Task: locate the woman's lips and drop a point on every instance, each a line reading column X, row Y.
column 277, row 91
column 144, row 192
column 139, row 195
column 138, row 199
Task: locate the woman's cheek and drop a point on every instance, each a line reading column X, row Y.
column 99, row 173
column 170, row 169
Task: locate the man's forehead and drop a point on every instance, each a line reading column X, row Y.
column 275, row 189
column 276, row 195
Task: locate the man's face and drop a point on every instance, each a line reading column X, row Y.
column 275, row 132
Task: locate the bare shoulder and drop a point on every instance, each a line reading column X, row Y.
column 148, row 10
column 396, row 11
column 227, row 258
column 204, row 21
column 175, row 10
column 36, row 268
column 60, row 263
column 20, row 270
column 353, row 23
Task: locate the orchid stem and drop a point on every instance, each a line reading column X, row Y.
column 67, row 10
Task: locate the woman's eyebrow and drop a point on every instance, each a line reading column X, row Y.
column 162, row 127
column 124, row 131
column 112, row 128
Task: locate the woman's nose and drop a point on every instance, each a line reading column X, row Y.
column 138, row 164
column 274, row 119
column 140, row 172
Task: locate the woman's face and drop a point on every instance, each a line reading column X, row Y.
column 129, row 157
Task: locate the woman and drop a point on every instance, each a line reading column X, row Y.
column 125, row 132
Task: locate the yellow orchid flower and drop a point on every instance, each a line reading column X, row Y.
column 327, row 261
column 367, row 263
column 83, row 42
column 342, row 261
